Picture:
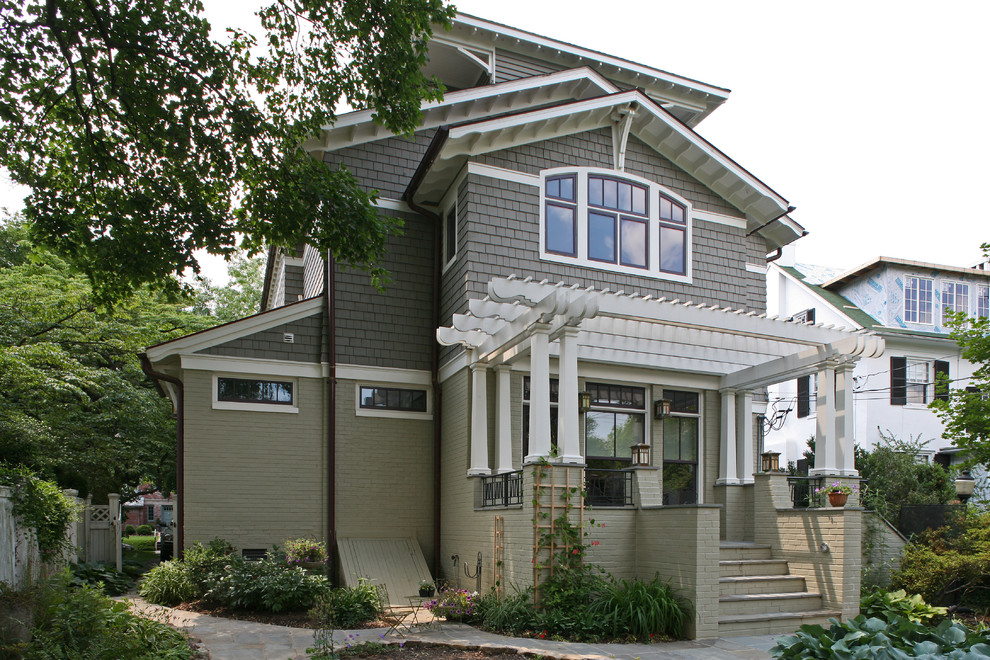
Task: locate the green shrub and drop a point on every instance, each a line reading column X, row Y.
column 101, row 576
column 453, row 604
column 141, row 543
column 865, row 637
column 269, row 584
column 42, row 505
column 167, row 584
column 510, row 614
column 887, row 605
column 298, row 551
column 950, row 565
column 340, row 609
column 130, row 530
column 145, row 530
column 206, row 566
column 640, row 609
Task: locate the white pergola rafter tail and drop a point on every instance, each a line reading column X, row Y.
column 488, row 308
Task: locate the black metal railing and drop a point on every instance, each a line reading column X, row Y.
column 608, row 487
column 502, row 489
column 803, row 492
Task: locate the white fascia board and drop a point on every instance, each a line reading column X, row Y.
column 253, row 366
column 719, row 218
column 814, row 294
column 503, row 174
column 237, row 329
column 577, row 51
column 393, row 205
column 759, row 269
column 383, row 375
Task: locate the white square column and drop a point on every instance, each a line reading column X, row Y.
column 745, row 459
column 825, row 441
column 503, row 442
column 479, row 421
column 727, row 461
column 845, row 422
column 539, row 393
column 568, row 417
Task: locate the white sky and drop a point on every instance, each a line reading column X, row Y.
column 869, row 117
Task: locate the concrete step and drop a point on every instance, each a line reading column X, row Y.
column 768, row 603
column 760, row 584
column 735, row 550
column 751, row 567
column 777, row 623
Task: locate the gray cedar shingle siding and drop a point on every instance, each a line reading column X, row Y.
column 294, row 287
column 512, row 66
column 386, row 165
column 270, row 344
column 394, row 328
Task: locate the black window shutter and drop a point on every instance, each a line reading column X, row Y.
column 804, row 396
column 898, row 381
column 941, row 380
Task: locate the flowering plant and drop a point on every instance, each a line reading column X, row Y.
column 426, row 584
column 298, row 551
column 453, row 604
column 836, row 488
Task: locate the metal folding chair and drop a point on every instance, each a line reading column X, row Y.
column 388, row 614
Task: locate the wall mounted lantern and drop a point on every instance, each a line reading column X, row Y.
column 584, row 402
column 661, row 408
column 641, row 454
column 965, row 485
column 771, row 461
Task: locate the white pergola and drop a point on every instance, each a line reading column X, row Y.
column 743, row 350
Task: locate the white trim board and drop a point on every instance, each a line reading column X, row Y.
column 383, row 375
column 253, row 366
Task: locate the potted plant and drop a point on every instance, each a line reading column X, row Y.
column 837, row 493
column 306, row 553
column 426, row 588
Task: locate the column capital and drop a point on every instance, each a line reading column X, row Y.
column 502, row 368
column 479, row 366
column 728, row 390
column 538, row 328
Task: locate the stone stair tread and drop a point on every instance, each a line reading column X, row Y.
column 810, row 614
column 758, row 578
column 778, row 596
column 743, row 544
column 736, row 562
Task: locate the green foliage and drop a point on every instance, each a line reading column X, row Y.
column 949, row 565
column 189, row 142
column 889, row 604
column 41, row 505
column 870, row 637
column 82, row 623
column 640, row 609
column 897, row 477
column 269, row 585
column 129, row 530
column 167, row 584
column 453, row 604
column 240, row 297
column 512, row 614
column 145, row 530
column 101, row 576
column 298, row 551
column 140, row 543
column 347, row 607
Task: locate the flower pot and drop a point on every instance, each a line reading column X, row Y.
column 426, row 593
column 837, row 499
column 311, row 565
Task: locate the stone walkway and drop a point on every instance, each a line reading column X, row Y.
column 229, row 639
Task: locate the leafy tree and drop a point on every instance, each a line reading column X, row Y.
column 240, row 297
column 74, row 403
column 966, row 413
column 143, row 139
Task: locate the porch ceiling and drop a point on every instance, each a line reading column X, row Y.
column 745, row 350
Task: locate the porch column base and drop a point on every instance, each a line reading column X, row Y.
column 571, row 460
column 730, row 482
column 827, row 472
column 479, row 472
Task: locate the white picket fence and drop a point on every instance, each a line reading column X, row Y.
column 94, row 537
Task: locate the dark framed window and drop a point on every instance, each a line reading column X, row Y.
column 245, row 390
column 615, row 423
column 804, row 396
column 561, row 215
column 618, row 228
column 680, row 448
column 673, row 237
column 392, row 398
column 554, row 398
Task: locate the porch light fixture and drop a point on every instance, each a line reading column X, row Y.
column 641, row 454
column 584, row 402
column 771, row 461
column 661, row 408
column 965, row 485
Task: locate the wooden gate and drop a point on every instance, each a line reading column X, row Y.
column 101, row 531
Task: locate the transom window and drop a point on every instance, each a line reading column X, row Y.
column 918, row 300
column 615, row 221
column 393, row 398
column 955, row 298
column 614, row 424
column 243, row 390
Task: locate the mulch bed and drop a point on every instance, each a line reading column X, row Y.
column 291, row 619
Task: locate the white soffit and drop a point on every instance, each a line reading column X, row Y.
column 222, row 334
column 579, row 83
column 652, row 124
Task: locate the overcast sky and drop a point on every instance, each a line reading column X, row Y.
column 869, row 117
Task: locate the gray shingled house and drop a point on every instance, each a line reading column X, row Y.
column 580, row 285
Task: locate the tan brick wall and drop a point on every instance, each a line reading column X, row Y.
column 736, row 515
column 253, row 478
column 882, row 549
column 384, row 475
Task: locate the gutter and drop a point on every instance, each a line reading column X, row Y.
column 407, row 197
column 328, row 292
column 158, row 376
column 790, row 209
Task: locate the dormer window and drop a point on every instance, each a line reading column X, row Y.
column 955, row 298
column 918, row 300
column 614, row 221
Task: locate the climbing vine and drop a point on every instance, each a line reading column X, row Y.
column 40, row 505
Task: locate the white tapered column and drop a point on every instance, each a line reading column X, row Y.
column 479, row 420
column 539, row 393
column 568, row 417
column 502, row 396
column 845, row 422
column 825, row 440
column 727, row 465
column 745, row 465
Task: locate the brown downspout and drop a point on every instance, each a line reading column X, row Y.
column 435, row 373
column 179, row 445
column 328, row 291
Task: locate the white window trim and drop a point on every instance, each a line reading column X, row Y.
column 980, row 289
column 929, row 381
column 394, row 414
column 954, row 284
column 581, row 192
column 920, row 279
column 450, row 210
column 256, row 407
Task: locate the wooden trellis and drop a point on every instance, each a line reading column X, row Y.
column 552, row 499
column 497, row 554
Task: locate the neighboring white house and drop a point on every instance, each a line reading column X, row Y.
column 904, row 302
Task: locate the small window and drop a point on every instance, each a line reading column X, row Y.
column 983, row 302
column 680, row 447
column 151, row 513
column 561, row 216
column 955, row 298
column 918, row 300
column 393, row 398
column 242, row 390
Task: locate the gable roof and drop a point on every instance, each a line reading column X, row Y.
column 841, row 280
column 454, row 145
